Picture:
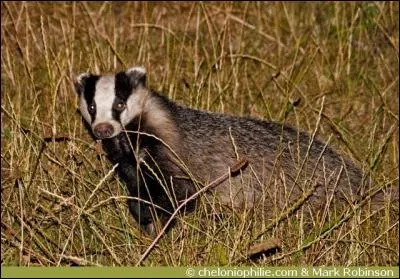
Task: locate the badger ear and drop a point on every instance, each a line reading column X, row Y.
column 79, row 82
column 137, row 76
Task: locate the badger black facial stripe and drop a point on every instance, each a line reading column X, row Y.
column 115, row 112
column 90, row 88
column 123, row 86
column 86, row 87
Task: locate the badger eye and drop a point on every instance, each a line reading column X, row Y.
column 120, row 106
column 91, row 108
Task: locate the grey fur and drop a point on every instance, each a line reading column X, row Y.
column 208, row 144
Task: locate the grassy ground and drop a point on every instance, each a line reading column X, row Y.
column 60, row 205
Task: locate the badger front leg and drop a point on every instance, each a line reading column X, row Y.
column 148, row 199
column 143, row 215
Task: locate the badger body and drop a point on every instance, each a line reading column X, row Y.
column 165, row 151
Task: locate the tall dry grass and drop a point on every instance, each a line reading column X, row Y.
column 62, row 205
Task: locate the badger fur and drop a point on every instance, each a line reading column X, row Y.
column 165, row 151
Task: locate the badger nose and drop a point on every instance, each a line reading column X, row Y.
column 103, row 130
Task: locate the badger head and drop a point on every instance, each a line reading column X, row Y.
column 109, row 102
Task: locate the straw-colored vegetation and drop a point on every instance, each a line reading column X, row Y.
column 61, row 204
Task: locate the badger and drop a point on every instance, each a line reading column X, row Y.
column 167, row 152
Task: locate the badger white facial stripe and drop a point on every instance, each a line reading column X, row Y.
column 134, row 106
column 104, row 98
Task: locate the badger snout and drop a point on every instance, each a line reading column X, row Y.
column 103, row 130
